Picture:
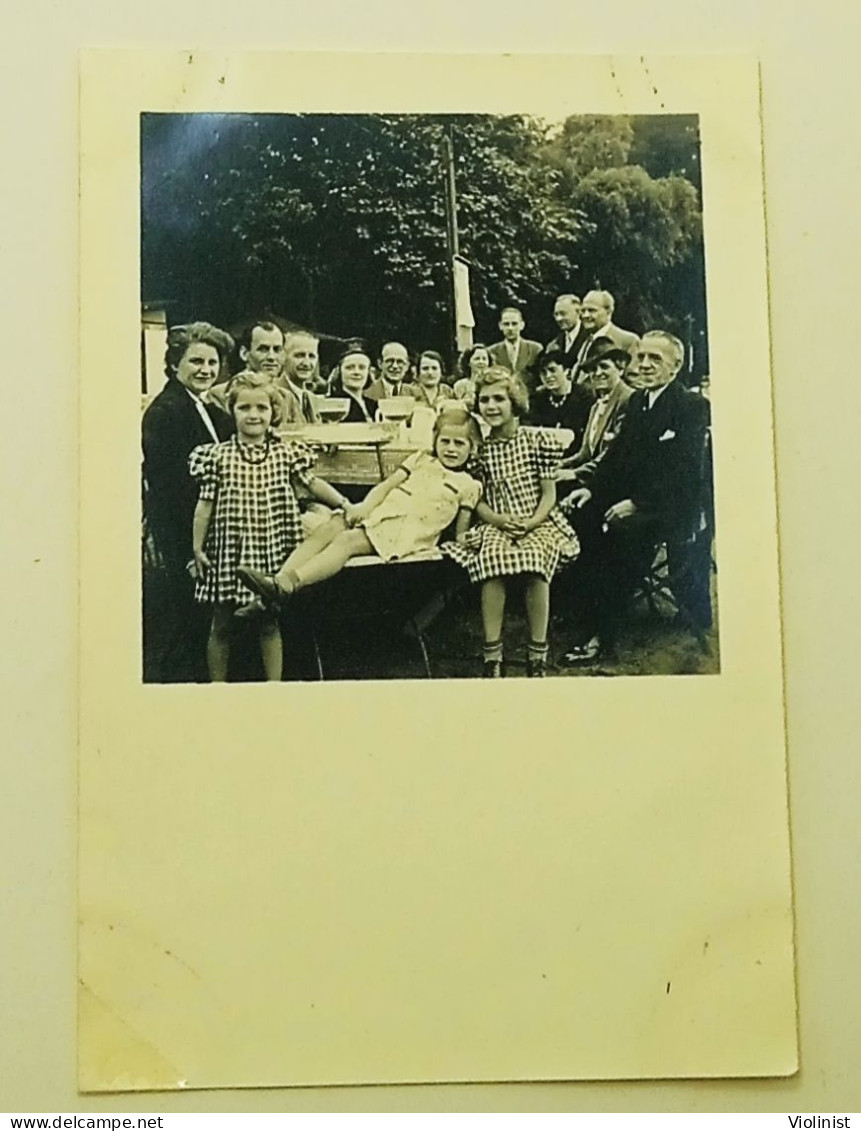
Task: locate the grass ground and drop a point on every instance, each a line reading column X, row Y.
column 655, row 641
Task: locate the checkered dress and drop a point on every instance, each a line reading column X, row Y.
column 513, row 470
column 256, row 519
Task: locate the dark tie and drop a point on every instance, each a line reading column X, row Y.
column 584, row 350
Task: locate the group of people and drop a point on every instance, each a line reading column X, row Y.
column 587, row 450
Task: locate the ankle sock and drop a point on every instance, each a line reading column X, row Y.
column 536, row 653
column 492, row 651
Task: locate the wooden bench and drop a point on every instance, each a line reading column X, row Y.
column 409, row 593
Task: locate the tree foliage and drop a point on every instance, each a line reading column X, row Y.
column 588, row 142
column 640, row 228
column 337, row 221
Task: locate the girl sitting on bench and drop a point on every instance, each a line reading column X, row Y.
column 403, row 515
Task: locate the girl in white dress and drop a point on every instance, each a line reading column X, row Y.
column 403, row 515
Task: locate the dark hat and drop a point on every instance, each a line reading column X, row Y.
column 354, row 345
column 608, row 352
column 551, row 356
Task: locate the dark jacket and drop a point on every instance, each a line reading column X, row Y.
column 611, row 333
column 358, row 414
column 657, row 458
column 569, row 357
column 572, row 413
column 528, row 356
column 611, row 414
column 171, row 428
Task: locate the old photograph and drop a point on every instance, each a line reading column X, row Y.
column 424, row 396
column 425, row 349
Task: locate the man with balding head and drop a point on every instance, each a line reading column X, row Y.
column 596, row 315
column 646, row 489
column 572, row 333
column 394, row 373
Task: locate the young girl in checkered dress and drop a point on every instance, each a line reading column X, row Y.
column 521, row 530
column 248, row 514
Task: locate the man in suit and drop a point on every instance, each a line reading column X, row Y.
column 394, row 373
column 596, row 314
column 301, row 357
column 261, row 349
column 515, row 353
column 177, row 421
column 604, row 377
column 572, row 333
column 645, row 490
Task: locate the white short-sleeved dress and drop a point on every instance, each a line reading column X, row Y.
column 256, row 520
column 413, row 515
column 513, row 469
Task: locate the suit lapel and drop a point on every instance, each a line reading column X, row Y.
column 660, row 416
column 617, row 404
column 608, row 420
column 197, row 430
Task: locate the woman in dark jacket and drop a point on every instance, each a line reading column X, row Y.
column 354, row 373
column 177, row 421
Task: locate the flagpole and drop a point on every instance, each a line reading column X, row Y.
column 452, row 239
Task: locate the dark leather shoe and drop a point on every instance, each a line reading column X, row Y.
column 586, row 653
column 492, row 669
column 536, row 669
column 263, row 585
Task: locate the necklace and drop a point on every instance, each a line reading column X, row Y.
column 245, row 451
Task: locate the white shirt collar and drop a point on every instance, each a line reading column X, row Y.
column 204, row 415
column 653, row 394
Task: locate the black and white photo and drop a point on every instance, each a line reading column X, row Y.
column 424, row 395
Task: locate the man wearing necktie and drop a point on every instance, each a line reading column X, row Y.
column 605, row 372
column 646, row 489
column 596, row 314
column 301, row 356
column 394, row 372
column 515, row 353
column 572, row 334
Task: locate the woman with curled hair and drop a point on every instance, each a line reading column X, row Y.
column 472, row 362
column 175, row 423
column 429, row 387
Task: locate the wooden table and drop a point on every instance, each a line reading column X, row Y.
column 353, row 454
column 408, row 591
